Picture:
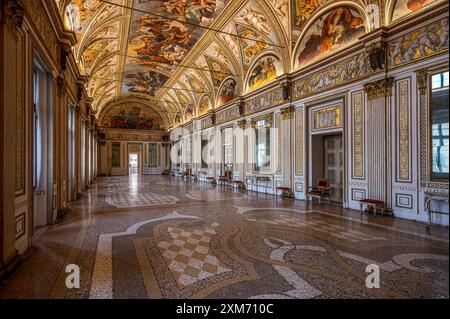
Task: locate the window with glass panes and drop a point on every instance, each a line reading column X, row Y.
column 228, row 149
column 440, row 126
column 262, row 128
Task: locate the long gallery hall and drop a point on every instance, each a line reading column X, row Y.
column 224, row 149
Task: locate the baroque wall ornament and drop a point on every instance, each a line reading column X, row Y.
column 379, row 89
column 344, row 72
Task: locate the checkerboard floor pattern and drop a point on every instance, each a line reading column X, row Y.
column 189, row 257
column 123, row 200
column 332, row 230
column 211, row 195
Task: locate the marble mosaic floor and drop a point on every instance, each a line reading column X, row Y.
column 162, row 237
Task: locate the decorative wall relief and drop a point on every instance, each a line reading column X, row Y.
column 341, row 73
column 265, row 101
column 228, row 114
column 208, row 121
column 144, row 137
column 358, row 118
column 299, row 141
column 418, row 44
column 403, row 131
column 328, row 117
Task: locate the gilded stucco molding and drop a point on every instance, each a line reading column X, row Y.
column 379, row 89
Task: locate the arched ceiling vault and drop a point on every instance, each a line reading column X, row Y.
column 125, row 51
column 172, row 53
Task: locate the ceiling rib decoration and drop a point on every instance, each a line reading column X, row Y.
column 185, row 57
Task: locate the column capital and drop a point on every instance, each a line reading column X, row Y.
column 421, row 76
column 288, row 112
column 242, row 124
column 14, row 13
column 62, row 85
column 379, row 89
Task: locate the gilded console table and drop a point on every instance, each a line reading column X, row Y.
column 429, row 197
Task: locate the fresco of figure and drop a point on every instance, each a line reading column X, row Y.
column 228, row 92
column 337, row 28
column 264, row 71
column 405, row 7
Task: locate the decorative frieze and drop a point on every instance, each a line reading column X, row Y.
column 349, row 70
column 379, row 89
column 228, row 114
column 123, row 136
column 418, row 44
column 265, row 101
column 208, row 121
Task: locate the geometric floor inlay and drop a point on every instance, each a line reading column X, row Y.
column 124, row 200
column 211, row 195
column 322, row 226
column 189, row 256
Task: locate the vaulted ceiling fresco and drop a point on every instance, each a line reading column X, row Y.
column 186, row 57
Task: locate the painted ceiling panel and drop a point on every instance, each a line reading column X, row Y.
column 160, row 44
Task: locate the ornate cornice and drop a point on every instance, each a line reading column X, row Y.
column 379, row 89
